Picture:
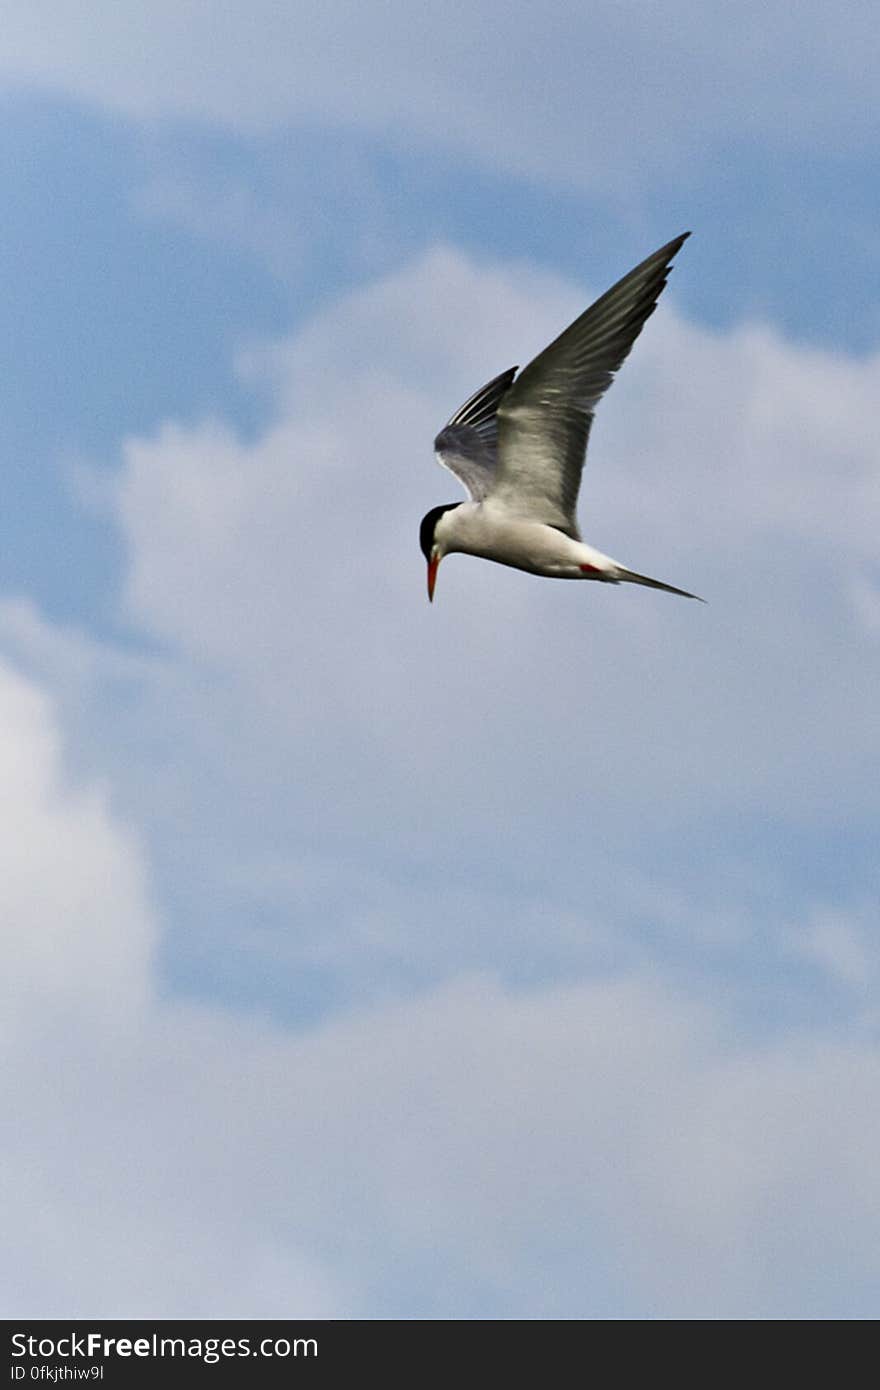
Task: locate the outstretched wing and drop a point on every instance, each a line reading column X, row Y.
column 544, row 420
column 468, row 445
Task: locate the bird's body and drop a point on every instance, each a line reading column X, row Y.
column 489, row 530
column 518, row 446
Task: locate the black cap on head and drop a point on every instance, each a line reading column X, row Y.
column 429, row 526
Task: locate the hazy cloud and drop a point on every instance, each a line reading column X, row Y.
column 617, row 92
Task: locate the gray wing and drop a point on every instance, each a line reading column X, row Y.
column 544, row 420
column 467, row 446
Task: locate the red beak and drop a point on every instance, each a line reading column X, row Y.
column 433, row 566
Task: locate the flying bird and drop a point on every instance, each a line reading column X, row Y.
column 518, row 445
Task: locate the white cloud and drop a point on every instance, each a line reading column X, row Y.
column 76, row 924
column 311, row 734
column 110, row 1207
column 593, row 1149
column 606, row 1148
column 335, row 726
column 617, row 91
column 741, row 466
column 175, row 1161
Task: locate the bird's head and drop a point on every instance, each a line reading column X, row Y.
column 431, row 542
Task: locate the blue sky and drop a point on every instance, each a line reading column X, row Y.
column 364, row 971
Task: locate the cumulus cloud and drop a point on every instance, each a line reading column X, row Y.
column 110, row 1203
column 601, row 1149
column 77, row 923
column 517, row 1099
column 565, row 93
column 335, row 726
column 168, row 1160
column 741, row 466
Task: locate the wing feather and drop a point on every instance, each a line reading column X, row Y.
column 468, row 444
column 543, row 422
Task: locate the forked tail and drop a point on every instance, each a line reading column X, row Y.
column 630, row 577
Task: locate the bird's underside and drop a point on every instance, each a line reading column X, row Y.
column 483, row 530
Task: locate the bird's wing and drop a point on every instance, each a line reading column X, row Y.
column 467, row 446
column 544, row 420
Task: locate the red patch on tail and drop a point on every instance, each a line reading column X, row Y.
column 589, row 569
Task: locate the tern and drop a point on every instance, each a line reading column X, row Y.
column 518, row 445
